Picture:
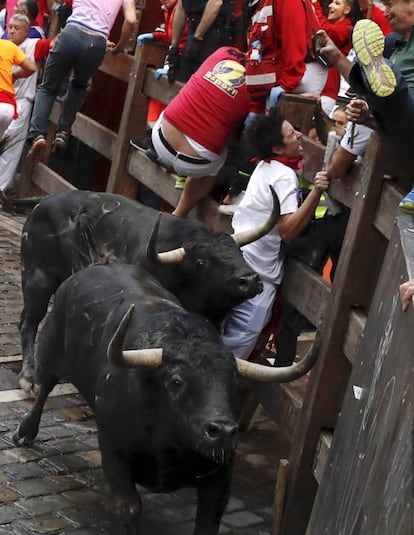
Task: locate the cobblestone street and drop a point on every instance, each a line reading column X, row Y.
column 57, row 485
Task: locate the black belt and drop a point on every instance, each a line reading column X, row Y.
column 180, row 156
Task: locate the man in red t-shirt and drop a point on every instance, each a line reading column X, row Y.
column 192, row 134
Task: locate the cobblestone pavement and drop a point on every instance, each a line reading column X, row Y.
column 57, row 485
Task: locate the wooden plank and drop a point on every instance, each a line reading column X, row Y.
column 10, row 358
column 8, row 396
column 354, row 333
column 321, row 457
column 90, row 132
column 15, row 227
column 345, row 189
column 298, row 110
column 387, row 209
column 119, row 66
column 133, row 120
column 371, row 457
column 160, row 89
column 49, row 181
column 306, row 290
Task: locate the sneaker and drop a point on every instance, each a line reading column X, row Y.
column 143, row 144
column 39, row 145
column 61, row 140
column 368, row 42
column 179, row 182
column 407, row 204
column 229, row 209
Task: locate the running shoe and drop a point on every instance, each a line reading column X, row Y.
column 39, row 145
column 179, row 182
column 368, row 42
column 407, row 204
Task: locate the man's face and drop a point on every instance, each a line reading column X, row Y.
column 291, row 139
column 17, row 31
column 400, row 14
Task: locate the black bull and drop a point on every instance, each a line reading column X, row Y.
column 69, row 231
column 165, row 399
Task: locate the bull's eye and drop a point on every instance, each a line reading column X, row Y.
column 176, row 383
column 201, row 263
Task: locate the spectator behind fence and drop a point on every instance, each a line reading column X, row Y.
column 15, row 135
column 338, row 25
column 81, row 46
column 11, row 55
column 277, row 145
column 388, row 87
column 191, row 136
column 30, row 8
column 209, row 28
column 280, row 55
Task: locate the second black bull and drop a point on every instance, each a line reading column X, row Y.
column 72, row 230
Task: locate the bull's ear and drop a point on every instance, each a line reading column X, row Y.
column 248, row 236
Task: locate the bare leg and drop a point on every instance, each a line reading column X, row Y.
column 194, row 190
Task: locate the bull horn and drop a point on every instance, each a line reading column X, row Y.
column 136, row 358
column 271, row 374
column 168, row 257
column 248, row 236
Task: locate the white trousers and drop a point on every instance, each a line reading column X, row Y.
column 245, row 322
column 16, row 137
column 6, row 116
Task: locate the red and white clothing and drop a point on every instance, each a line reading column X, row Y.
column 340, row 32
column 25, row 89
column 284, row 29
column 377, row 15
column 213, row 104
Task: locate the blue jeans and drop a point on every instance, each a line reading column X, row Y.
column 74, row 49
column 395, row 113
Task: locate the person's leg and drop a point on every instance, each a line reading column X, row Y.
column 58, row 65
column 246, row 321
column 6, row 116
column 194, row 190
column 15, row 139
column 92, row 52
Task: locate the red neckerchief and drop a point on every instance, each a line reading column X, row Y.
column 294, row 163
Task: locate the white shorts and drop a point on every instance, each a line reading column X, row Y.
column 189, row 166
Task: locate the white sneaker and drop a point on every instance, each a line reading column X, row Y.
column 229, row 209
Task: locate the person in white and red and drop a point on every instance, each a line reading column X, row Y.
column 192, row 134
column 25, row 88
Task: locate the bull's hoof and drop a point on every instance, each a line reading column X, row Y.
column 28, row 385
column 22, row 440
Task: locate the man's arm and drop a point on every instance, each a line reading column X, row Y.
column 130, row 20
column 209, row 16
column 178, row 24
column 25, row 69
column 291, row 225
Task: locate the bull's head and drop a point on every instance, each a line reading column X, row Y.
column 152, row 358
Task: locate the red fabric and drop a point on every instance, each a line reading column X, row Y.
column 165, row 37
column 42, row 49
column 284, row 28
column 340, row 33
column 8, row 98
column 155, row 108
column 377, row 15
column 270, row 331
column 214, row 103
column 289, row 161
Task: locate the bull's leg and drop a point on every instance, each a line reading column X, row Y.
column 37, row 288
column 212, row 497
column 29, row 426
column 120, row 479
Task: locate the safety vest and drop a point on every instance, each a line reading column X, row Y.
column 261, row 63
